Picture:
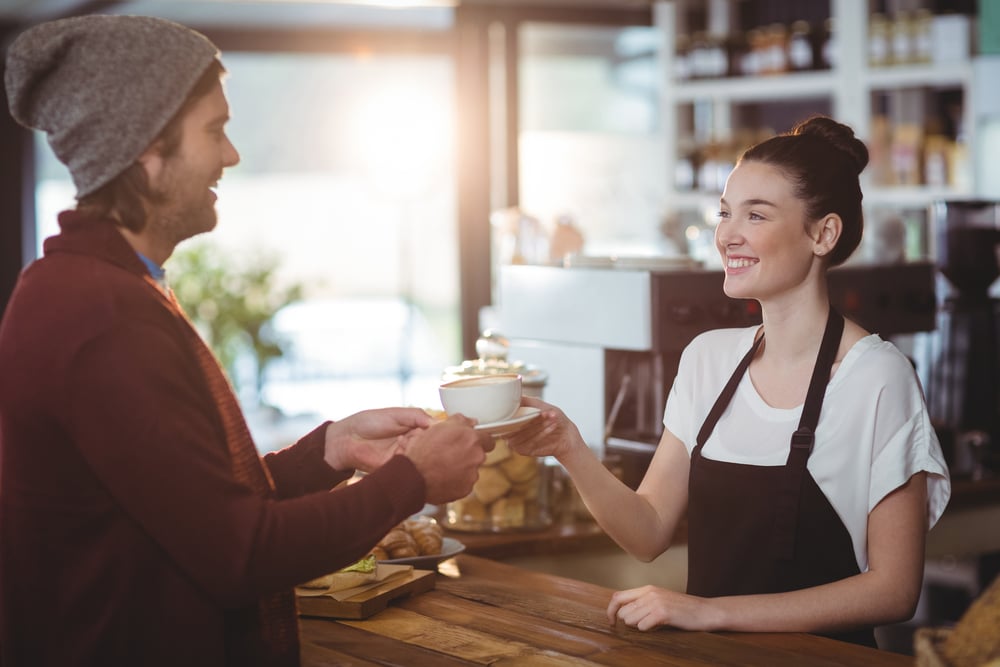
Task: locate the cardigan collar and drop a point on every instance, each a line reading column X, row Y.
column 85, row 234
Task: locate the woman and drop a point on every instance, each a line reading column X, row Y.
column 801, row 450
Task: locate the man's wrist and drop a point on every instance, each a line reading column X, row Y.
column 333, row 453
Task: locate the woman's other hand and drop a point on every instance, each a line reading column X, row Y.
column 650, row 607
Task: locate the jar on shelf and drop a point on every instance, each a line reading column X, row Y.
column 923, row 45
column 902, row 39
column 512, row 492
column 800, row 52
column 879, row 47
column 828, row 48
column 682, row 58
column 777, row 48
column 699, row 64
column 753, row 61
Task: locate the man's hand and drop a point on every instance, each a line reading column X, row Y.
column 448, row 455
column 366, row 440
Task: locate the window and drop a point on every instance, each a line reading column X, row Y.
column 347, row 179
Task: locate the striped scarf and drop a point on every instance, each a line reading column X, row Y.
column 269, row 633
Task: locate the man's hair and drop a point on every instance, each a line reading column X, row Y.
column 125, row 196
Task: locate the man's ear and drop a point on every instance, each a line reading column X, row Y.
column 151, row 160
column 826, row 233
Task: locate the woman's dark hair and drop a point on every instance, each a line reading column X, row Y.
column 824, row 160
column 126, row 193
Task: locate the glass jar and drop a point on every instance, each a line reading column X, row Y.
column 800, row 52
column 879, row 41
column 512, row 490
column 510, row 494
column 493, row 348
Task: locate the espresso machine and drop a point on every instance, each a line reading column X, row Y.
column 611, row 337
column 963, row 389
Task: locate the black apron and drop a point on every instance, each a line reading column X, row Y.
column 768, row 529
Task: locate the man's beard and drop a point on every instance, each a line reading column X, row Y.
column 179, row 214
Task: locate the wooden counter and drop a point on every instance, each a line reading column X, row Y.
column 483, row 612
column 578, row 536
column 557, row 539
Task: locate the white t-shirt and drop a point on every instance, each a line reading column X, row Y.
column 873, row 434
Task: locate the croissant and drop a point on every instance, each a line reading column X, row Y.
column 420, row 536
column 399, row 544
column 427, row 534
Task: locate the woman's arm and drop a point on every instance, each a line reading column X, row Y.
column 642, row 522
column 886, row 593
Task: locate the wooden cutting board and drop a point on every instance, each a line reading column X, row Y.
column 369, row 602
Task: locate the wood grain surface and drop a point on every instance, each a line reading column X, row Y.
column 483, row 612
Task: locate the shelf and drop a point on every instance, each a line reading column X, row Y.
column 910, row 197
column 939, row 75
column 808, row 85
column 850, row 91
column 699, row 200
column 802, row 85
column 907, row 197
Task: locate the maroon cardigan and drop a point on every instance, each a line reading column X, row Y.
column 124, row 538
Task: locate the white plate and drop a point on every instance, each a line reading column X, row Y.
column 523, row 415
column 449, row 547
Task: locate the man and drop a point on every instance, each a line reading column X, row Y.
column 138, row 525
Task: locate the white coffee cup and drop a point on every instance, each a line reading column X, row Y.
column 485, row 398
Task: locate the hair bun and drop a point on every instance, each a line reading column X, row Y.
column 840, row 136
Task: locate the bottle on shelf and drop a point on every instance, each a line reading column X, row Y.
column 923, row 46
column 828, row 50
column 698, row 56
column 753, row 63
column 902, row 39
column 682, row 58
column 777, row 48
column 878, row 41
column 738, row 50
column 716, row 60
column 800, row 53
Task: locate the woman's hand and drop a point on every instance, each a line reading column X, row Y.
column 366, row 440
column 549, row 434
column 650, row 607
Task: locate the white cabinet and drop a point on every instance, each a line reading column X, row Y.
column 866, row 98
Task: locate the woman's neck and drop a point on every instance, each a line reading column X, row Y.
column 793, row 327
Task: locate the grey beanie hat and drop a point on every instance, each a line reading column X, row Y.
column 103, row 87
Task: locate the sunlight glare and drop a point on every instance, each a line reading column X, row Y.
column 404, row 138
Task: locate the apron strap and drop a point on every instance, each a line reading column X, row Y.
column 727, row 395
column 787, row 509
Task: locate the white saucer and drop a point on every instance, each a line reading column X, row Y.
column 523, row 415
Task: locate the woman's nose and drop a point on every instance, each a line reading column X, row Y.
column 727, row 234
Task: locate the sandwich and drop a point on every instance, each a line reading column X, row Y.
column 355, row 574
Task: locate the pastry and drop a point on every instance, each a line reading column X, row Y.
column 399, row 544
column 492, row 484
column 519, row 468
column 419, row 536
column 427, row 534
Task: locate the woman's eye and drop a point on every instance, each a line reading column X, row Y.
column 722, row 214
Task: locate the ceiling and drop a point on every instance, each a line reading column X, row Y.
column 267, row 12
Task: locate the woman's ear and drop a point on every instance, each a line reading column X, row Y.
column 826, row 233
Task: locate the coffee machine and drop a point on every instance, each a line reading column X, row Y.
column 611, row 336
column 963, row 388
